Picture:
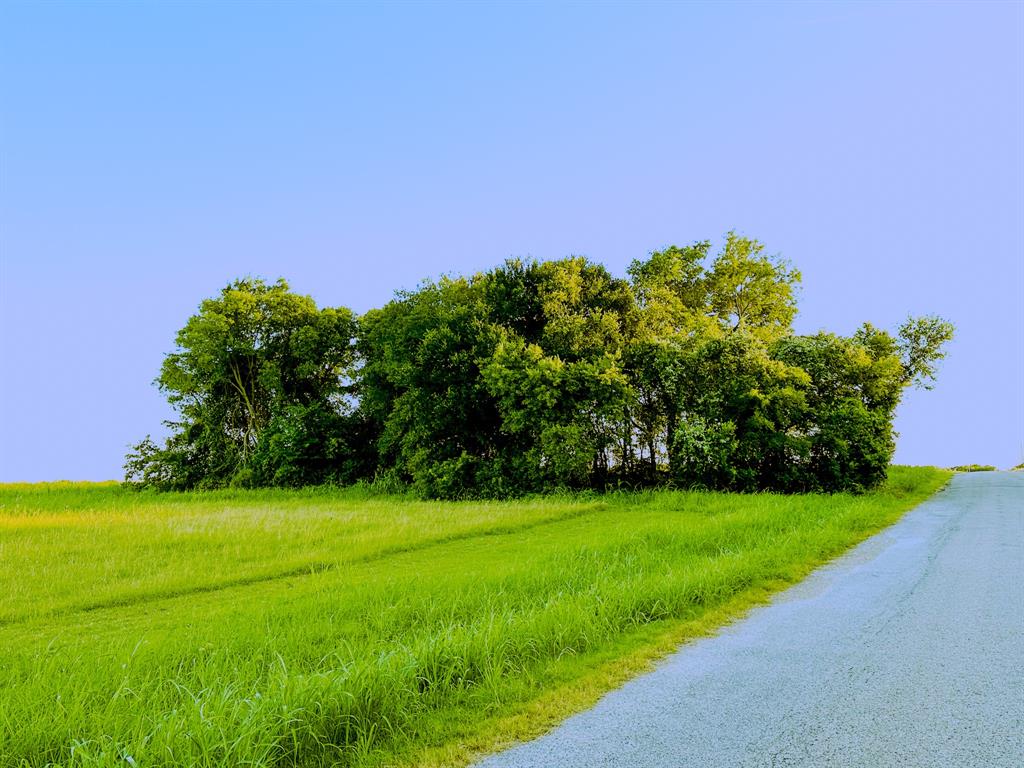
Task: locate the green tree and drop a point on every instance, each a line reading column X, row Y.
column 422, row 389
column 671, row 289
column 684, row 302
column 737, row 409
column 587, row 313
column 752, row 291
column 559, row 382
column 562, row 415
column 537, row 375
column 256, row 360
column 673, row 309
column 853, row 389
column 921, row 346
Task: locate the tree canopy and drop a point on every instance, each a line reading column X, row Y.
column 539, row 375
column 259, row 383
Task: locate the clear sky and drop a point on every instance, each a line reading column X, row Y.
column 151, row 152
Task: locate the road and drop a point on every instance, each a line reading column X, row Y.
column 908, row 651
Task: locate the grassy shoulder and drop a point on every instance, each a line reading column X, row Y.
column 277, row 628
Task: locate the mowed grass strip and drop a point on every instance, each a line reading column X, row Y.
column 68, row 546
column 420, row 653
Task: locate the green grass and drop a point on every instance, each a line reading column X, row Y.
column 323, row 627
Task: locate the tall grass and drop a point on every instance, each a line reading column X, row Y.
column 376, row 626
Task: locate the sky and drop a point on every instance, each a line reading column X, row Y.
column 152, row 152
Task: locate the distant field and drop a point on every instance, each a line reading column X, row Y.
column 333, row 627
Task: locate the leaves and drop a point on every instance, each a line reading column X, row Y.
column 247, row 363
column 921, row 346
column 537, row 375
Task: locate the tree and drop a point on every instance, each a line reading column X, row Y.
column 257, row 360
column 421, row 386
column 921, row 346
column 751, row 291
column 737, row 409
column 558, row 381
column 852, row 390
column 499, row 383
column 671, row 290
column 586, row 312
column 562, row 415
column 540, row 375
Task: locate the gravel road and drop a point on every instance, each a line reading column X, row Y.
column 908, row 651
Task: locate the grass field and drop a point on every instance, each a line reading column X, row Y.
column 334, row 627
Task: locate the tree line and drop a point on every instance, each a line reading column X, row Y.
column 538, row 375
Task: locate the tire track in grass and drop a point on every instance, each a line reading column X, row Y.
column 311, row 568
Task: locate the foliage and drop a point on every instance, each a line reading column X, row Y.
column 751, row 291
column 853, row 388
column 921, row 346
column 977, row 468
column 258, row 383
column 540, row 375
column 421, row 388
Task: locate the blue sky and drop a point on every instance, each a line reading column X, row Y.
column 151, row 152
